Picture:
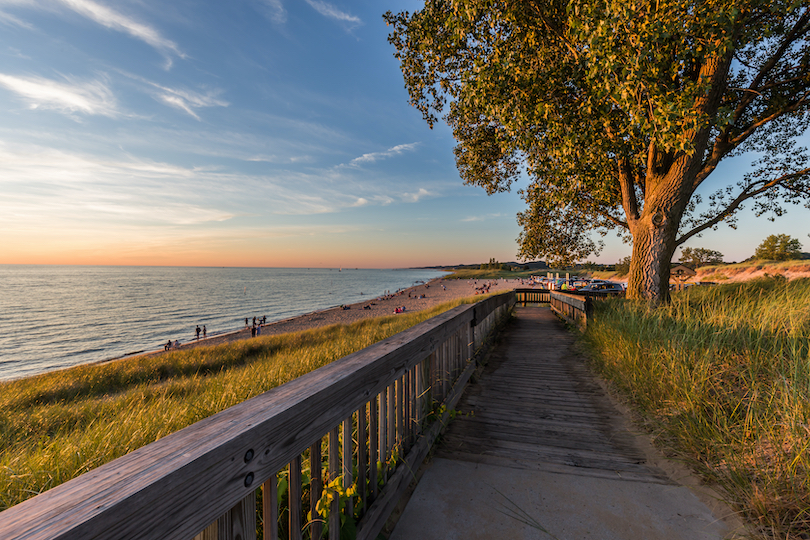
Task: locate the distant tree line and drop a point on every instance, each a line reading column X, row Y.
column 777, row 247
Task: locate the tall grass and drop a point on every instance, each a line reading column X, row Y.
column 58, row 425
column 723, row 376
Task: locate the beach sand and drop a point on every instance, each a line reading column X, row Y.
column 436, row 292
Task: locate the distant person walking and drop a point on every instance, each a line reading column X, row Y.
column 198, row 332
column 205, row 332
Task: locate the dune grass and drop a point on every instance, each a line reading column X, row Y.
column 56, row 426
column 722, row 375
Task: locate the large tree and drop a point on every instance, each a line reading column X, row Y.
column 697, row 257
column 779, row 247
column 618, row 111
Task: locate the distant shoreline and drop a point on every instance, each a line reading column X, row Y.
column 436, row 291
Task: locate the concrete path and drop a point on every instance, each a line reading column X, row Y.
column 539, row 451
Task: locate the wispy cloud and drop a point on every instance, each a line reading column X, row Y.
column 11, row 20
column 273, row 10
column 180, row 98
column 377, row 156
column 186, row 100
column 417, row 196
column 114, row 20
column 332, row 12
column 88, row 97
column 481, row 218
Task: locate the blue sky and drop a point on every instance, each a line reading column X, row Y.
column 240, row 133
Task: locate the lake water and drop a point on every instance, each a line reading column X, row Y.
column 58, row 316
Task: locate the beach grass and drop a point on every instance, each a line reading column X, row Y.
column 722, row 376
column 56, row 426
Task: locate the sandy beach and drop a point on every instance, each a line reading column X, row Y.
column 417, row 298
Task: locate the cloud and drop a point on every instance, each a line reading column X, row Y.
column 109, row 18
column 332, row 12
column 89, row 97
column 274, row 10
column 11, row 20
column 377, row 156
column 185, row 100
column 416, row 197
column 481, row 218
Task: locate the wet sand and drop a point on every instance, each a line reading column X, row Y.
column 435, row 292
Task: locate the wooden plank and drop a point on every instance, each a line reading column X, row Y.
column 362, row 455
column 270, row 508
column 373, row 438
column 384, row 431
column 315, row 489
column 334, row 468
column 392, row 421
column 239, row 523
column 347, row 456
column 295, row 493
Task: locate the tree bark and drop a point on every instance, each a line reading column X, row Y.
column 655, row 233
column 653, row 247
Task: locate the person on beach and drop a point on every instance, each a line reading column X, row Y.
column 176, row 344
column 198, row 332
column 252, row 331
column 246, row 323
column 205, row 333
column 168, row 345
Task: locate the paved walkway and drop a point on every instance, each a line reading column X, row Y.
column 539, row 451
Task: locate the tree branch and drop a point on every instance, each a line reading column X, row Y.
column 754, row 87
column 746, row 194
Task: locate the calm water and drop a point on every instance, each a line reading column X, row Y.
column 59, row 316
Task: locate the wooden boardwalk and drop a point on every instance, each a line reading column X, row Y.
column 536, row 406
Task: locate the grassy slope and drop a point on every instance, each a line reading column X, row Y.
column 723, row 376
column 56, row 426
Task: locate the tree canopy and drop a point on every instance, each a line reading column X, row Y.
column 779, row 247
column 697, row 257
column 617, row 112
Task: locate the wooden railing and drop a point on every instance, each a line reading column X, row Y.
column 573, row 308
column 532, row 296
column 365, row 421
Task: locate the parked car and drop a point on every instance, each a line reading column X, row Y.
column 603, row 287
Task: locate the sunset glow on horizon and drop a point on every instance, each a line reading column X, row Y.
column 263, row 133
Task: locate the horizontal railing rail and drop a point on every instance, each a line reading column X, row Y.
column 524, row 296
column 365, row 422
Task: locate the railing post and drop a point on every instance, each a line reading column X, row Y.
column 348, row 465
column 373, row 439
column 315, row 489
column 362, row 455
column 270, row 508
column 334, row 504
column 294, row 500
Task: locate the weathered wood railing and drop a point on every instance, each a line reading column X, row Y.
column 572, row 307
column 375, row 413
column 532, row 296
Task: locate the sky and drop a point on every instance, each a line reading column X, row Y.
column 270, row 133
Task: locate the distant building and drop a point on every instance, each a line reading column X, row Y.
column 680, row 273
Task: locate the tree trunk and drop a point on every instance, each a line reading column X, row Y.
column 653, row 245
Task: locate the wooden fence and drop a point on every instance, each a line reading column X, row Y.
column 532, row 296
column 573, row 308
column 356, row 430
